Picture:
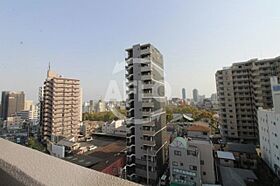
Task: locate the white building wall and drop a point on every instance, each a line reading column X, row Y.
column 269, row 131
column 58, row 151
column 206, row 160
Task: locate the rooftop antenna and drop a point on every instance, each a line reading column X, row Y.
column 49, row 66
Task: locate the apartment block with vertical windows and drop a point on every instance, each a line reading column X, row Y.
column 146, row 123
column 61, row 107
column 242, row 89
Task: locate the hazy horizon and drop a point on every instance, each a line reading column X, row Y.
column 87, row 40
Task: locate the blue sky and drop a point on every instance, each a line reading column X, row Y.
column 85, row 39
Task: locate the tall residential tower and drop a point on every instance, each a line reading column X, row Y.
column 146, row 123
column 61, row 107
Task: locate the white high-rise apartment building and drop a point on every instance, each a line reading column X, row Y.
column 269, row 130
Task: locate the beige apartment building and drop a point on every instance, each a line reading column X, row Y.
column 61, row 107
column 242, row 89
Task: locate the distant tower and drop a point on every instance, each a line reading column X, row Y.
column 184, row 96
column 195, row 95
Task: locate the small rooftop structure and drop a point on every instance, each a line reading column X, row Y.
column 177, row 117
column 225, row 155
column 243, row 148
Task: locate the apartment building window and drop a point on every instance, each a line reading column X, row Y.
column 204, row 173
column 177, row 153
column 201, row 162
column 193, row 167
column 175, row 163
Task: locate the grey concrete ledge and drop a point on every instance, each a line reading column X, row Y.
column 20, row 165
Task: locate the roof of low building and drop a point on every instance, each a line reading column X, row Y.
column 109, row 150
column 199, row 128
column 225, row 155
column 239, row 147
column 65, row 142
column 235, row 176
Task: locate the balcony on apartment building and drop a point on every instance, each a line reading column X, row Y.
column 20, row 165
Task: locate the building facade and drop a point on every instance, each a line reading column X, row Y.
column 269, row 130
column 61, row 107
column 191, row 162
column 184, row 162
column 146, row 123
column 242, row 89
column 11, row 103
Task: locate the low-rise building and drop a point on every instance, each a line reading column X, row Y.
column 63, row 147
column 184, row 162
column 13, row 122
column 245, row 155
column 191, row 161
column 89, row 127
column 225, row 158
column 114, row 128
column 198, row 130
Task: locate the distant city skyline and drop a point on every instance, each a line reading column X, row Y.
column 86, row 40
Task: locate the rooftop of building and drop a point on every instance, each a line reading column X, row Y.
column 253, row 60
column 235, row 176
column 239, row 147
column 66, row 142
column 109, row 149
column 24, row 166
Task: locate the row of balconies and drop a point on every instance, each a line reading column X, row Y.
column 148, row 142
column 148, row 132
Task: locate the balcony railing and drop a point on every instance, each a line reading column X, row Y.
column 20, row 165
